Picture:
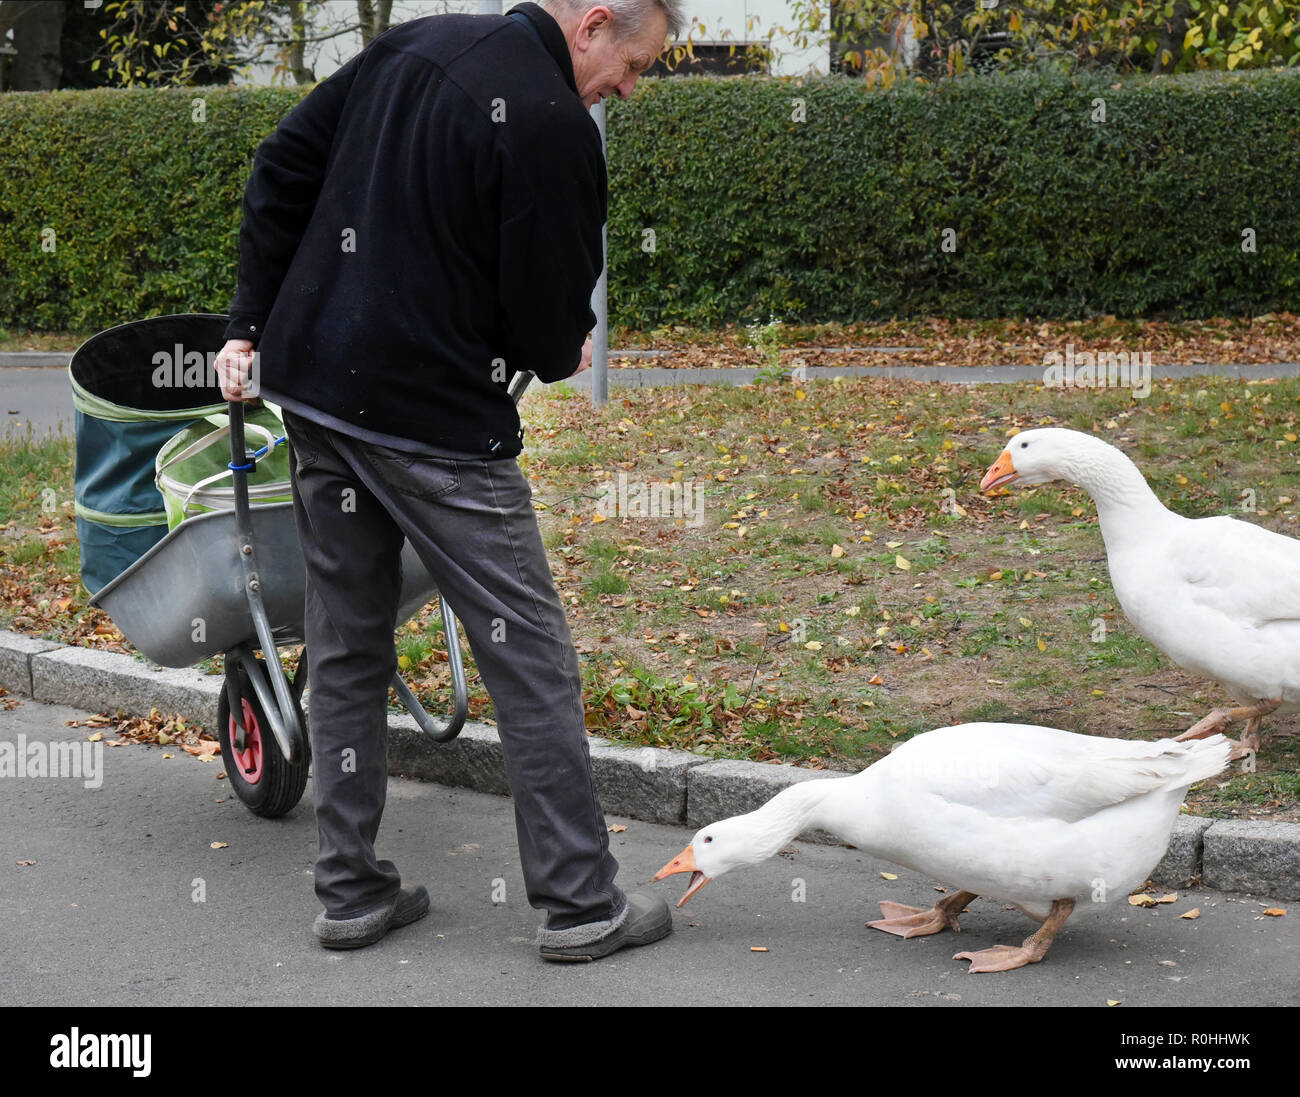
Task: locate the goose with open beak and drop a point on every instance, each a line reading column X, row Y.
column 1030, row 815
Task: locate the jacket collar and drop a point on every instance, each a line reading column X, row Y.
column 552, row 38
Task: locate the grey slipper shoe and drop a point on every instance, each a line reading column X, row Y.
column 644, row 920
column 409, row 905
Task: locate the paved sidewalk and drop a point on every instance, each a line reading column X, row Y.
column 127, row 903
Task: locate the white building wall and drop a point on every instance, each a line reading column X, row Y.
column 711, row 20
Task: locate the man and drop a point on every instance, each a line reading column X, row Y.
column 426, row 223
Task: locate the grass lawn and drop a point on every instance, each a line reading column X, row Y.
column 831, row 581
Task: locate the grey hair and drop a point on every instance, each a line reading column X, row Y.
column 629, row 15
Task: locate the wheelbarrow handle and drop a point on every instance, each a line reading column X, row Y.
column 284, row 722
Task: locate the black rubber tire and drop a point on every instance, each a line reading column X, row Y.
column 281, row 783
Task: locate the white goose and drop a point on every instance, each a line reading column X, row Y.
column 1220, row 597
column 1040, row 818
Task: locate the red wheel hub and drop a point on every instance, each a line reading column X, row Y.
column 248, row 760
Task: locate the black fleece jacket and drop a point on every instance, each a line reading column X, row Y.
column 423, row 225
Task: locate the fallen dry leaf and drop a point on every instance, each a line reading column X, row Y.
column 27, row 862
column 219, row 845
column 616, row 828
column 1141, row 900
column 890, row 875
column 1195, row 912
column 757, row 948
column 1275, row 912
column 1114, row 1001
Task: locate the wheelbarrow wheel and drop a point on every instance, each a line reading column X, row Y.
column 267, row 784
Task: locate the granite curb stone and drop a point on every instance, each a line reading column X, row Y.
column 1261, row 858
column 108, row 680
column 1182, row 860
column 16, row 653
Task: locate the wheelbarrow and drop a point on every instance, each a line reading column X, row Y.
column 233, row 582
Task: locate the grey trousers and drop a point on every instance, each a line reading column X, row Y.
column 473, row 526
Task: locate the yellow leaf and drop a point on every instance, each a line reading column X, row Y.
column 995, row 575
column 96, row 737
column 596, row 519
column 902, row 563
column 889, row 875
column 783, row 627
column 616, row 828
column 813, row 645
column 1276, row 912
column 1289, row 437
column 1026, row 622
column 799, row 394
column 1195, row 912
column 1041, row 646
column 837, row 551
column 403, row 662
column 219, row 845
column 1141, row 900
column 164, row 738
column 1114, row 1001
column 1170, row 898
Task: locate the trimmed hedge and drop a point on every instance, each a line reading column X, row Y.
column 144, row 201
column 840, row 216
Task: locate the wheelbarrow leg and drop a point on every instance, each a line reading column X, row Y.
column 233, row 663
column 438, row 730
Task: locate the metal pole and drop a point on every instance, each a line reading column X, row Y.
column 600, row 299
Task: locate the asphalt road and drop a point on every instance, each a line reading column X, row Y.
column 109, row 914
column 40, row 397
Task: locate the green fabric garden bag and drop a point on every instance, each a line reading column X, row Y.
column 193, row 473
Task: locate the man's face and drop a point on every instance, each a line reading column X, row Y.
column 605, row 67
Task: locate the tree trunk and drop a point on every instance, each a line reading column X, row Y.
column 1171, row 38
column 38, row 34
column 366, row 17
column 295, row 52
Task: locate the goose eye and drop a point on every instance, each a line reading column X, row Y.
column 1024, row 445
column 708, row 838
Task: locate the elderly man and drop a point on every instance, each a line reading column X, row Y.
column 426, row 223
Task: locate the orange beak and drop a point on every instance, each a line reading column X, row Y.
column 684, row 862
column 1002, row 472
